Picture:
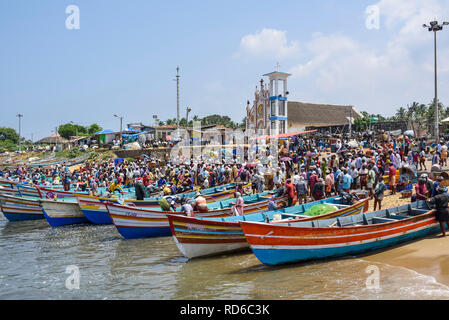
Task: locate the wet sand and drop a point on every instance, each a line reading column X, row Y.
column 428, row 256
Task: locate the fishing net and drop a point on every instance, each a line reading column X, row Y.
column 320, row 209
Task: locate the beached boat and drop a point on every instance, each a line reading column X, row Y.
column 133, row 222
column 57, row 212
column 16, row 208
column 8, row 183
column 275, row 244
column 95, row 210
column 28, row 191
column 62, row 212
column 9, row 191
column 51, row 192
column 198, row 237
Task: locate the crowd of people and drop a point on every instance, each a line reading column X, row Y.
column 309, row 168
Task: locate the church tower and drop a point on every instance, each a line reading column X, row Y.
column 278, row 113
column 269, row 109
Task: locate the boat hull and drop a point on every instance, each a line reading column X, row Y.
column 275, row 256
column 279, row 244
column 133, row 222
column 95, row 210
column 19, row 209
column 204, row 237
column 60, row 213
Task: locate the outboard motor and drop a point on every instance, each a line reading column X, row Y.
column 348, row 199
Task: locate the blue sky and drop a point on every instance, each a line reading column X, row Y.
column 123, row 58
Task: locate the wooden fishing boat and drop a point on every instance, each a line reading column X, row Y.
column 8, row 184
column 281, row 243
column 95, row 210
column 57, row 212
column 20, row 208
column 133, row 222
column 198, row 237
column 62, row 212
column 51, row 193
column 9, row 191
column 28, row 191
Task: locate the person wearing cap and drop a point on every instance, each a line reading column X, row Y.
column 441, row 201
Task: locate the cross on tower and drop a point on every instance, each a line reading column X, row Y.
column 278, row 66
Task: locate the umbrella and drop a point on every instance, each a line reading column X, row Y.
column 251, row 164
column 286, row 159
column 310, row 153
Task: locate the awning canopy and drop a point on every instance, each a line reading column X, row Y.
column 283, row 135
column 104, row 132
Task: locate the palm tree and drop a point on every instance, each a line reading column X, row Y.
column 401, row 114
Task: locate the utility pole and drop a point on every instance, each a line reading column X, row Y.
column 187, row 115
column 177, row 93
column 20, row 145
column 350, row 123
column 434, row 26
column 121, row 120
column 57, row 137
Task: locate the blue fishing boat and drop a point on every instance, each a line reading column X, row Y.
column 198, row 237
column 95, row 210
column 134, row 222
column 279, row 243
column 20, row 208
column 62, row 212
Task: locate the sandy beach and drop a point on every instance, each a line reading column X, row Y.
column 428, row 256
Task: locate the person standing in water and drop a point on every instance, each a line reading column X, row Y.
column 441, row 201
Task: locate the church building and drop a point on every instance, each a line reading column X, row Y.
column 271, row 113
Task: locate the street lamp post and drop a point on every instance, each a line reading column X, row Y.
column 121, row 119
column 434, row 26
column 20, row 145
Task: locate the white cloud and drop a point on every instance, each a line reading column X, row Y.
column 377, row 77
column 341, row 70
column 268, row 43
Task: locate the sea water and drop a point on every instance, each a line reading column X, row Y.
column 95, row 262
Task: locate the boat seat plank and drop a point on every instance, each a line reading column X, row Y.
column 382, row 220
column 294, row 215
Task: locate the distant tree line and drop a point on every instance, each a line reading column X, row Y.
column 9, row 139
column 70, row 130
column 419, row 116
column 212, row 119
